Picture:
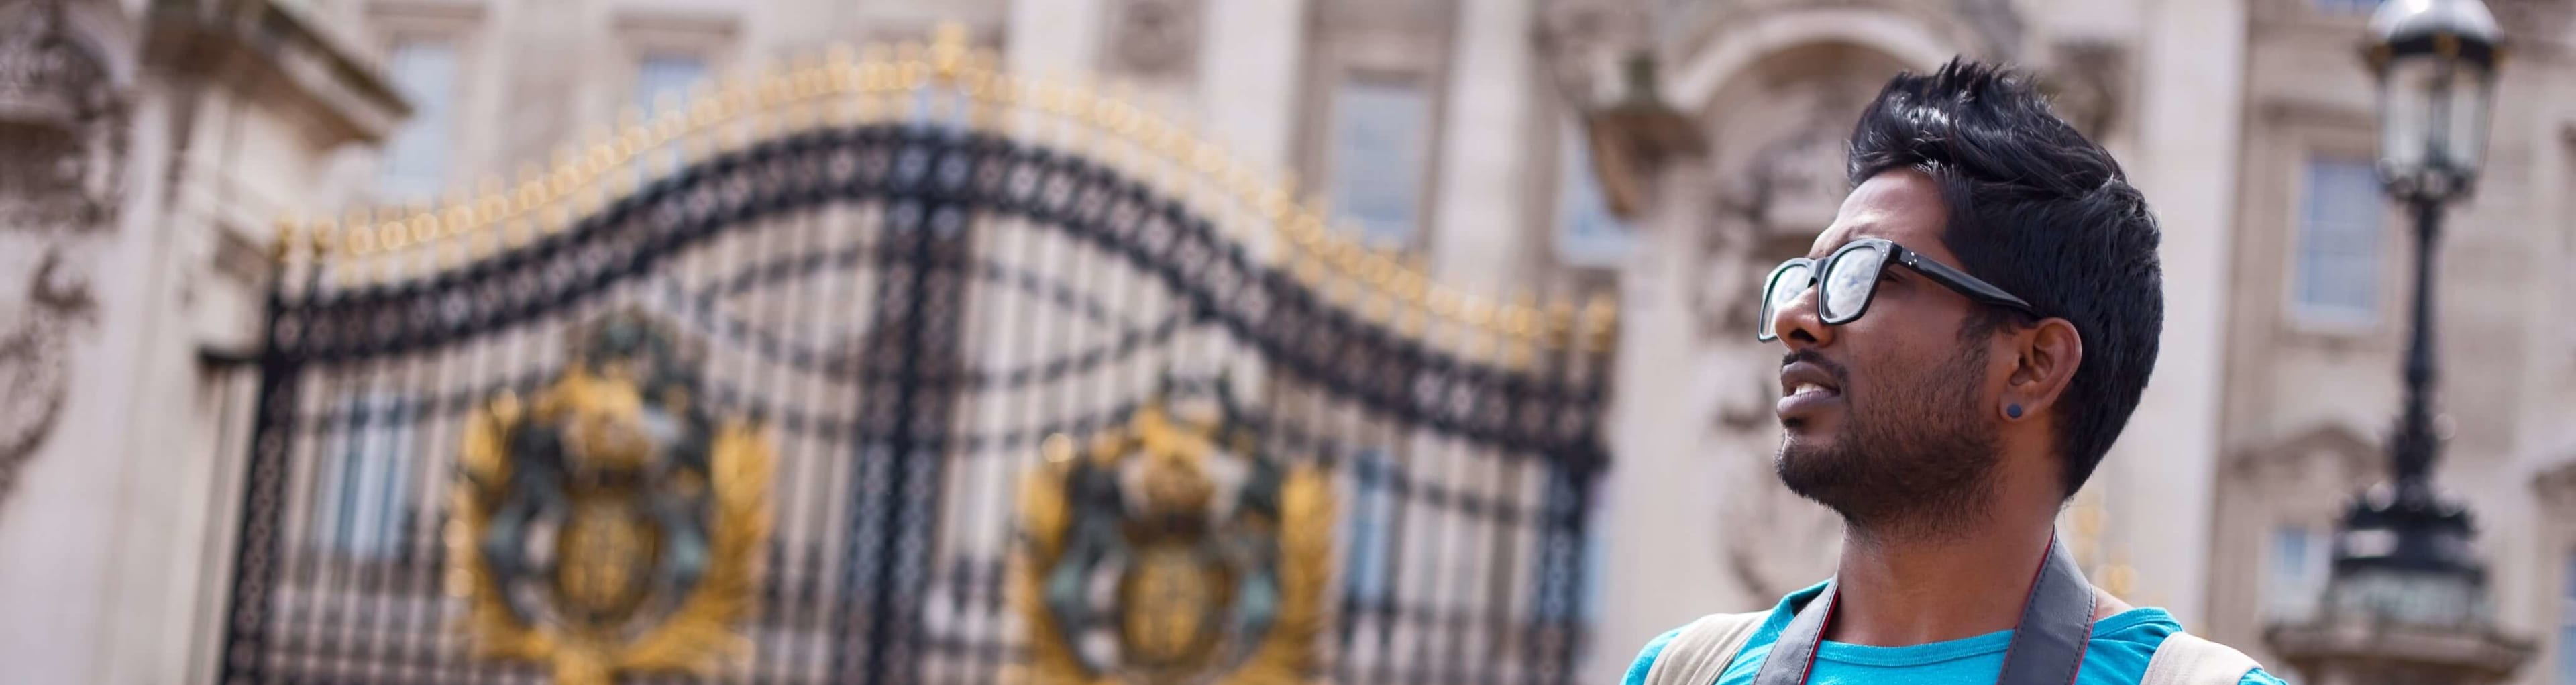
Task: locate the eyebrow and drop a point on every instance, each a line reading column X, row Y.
column 1848, row 237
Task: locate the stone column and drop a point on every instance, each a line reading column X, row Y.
column 2189, row 135
column 1477, row 241
column 1664, row 487
column 1248, row 71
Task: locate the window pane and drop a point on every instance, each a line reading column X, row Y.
column 415, row 162
column 2567, row 623
column 1365, row 571
column 369, row 487
column 2297, row 571
column 2568, row 590
column 1586, row 230
column 2338, row 241
column 661, row 79
column 1379, row 148
column 665, row 75
column 2566, row 655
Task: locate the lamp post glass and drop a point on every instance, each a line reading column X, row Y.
column 2436, row 63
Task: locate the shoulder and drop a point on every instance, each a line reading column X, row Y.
column 1646, row 657
column 2187, row 659
column 2146, row 645
column 1734, row 631
column 1696, row 649
column 2258, row 676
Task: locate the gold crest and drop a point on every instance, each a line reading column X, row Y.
column 659, row 516
column 1220, row 583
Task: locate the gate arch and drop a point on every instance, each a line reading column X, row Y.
column 912, row 271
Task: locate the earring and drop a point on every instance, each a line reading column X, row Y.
column 2013, row 410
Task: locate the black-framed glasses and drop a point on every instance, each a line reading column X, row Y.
column 1851, row 278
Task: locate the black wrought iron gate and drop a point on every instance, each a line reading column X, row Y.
column 915, row 271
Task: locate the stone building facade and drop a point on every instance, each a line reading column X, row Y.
column 150, row 145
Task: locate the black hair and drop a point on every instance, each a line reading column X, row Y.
column 2041, row 211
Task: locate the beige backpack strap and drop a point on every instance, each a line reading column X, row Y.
column 1702, row 650
column 2186, row 659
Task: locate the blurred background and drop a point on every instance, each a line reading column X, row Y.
column 1255, row 341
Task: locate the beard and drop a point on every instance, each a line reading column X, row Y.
column 1915, row 460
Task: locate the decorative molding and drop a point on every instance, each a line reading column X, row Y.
column 1738, row 34
column 2555, row 487
column 2089, row 85
column 35, row 353
column 278, row 55
column 2351, row 454
column 1155, row 39
column 2281, row 109
column 1583, row 42
column 62, row 125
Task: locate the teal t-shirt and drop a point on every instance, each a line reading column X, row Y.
column 2122, row 644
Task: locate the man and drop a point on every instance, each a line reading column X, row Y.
column 1962, row 345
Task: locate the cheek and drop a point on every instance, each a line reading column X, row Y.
column 1913, row 370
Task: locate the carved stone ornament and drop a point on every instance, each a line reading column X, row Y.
column 1583, row 43
column 2088, row 85
column 2533, row 19
column 1221, row 583
column 61, row 136
column 1155, row 38
column 659, row 513
column 59, row 131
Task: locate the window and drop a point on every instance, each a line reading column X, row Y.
column 2298, row 563
column 1380, row 144
column 661, row 80
column 415, row 161
column 663, row 75
column 2336, row 279
column 1372, row 512
column 1584, row 561
column 2567, row 624
column 1587, row 233
column 2346, row 6
column 367, row 489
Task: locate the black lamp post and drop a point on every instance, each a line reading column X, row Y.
column 2407, row 601
column 2436, row 62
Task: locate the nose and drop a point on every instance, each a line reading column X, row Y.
column 1797, row 322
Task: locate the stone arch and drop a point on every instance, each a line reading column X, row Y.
column 1733, row 50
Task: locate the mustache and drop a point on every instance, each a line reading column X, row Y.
column 1841, row 380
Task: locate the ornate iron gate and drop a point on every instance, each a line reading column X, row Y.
column 912, row 271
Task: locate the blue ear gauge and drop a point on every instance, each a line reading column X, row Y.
column 2012, row 410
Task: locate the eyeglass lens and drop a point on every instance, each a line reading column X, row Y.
column 1785, row 285
column 1849, row 280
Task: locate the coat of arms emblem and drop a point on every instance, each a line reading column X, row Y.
column 609, row 523
column 1170, row 550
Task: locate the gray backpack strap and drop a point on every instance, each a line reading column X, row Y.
column 2186, row 659
column 1703, row 649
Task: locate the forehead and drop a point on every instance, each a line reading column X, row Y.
column 1902, row 205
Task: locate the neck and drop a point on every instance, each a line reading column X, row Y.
column 1899, row 591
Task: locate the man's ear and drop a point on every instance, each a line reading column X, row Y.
column 2045, row 357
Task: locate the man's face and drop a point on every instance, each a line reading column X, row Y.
column 1882, row 416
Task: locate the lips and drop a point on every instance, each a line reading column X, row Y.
column 1805, row 389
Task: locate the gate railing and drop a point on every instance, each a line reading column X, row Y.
column 911, row 270
column 946, row 81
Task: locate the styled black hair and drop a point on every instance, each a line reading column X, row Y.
column 2041, row 211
